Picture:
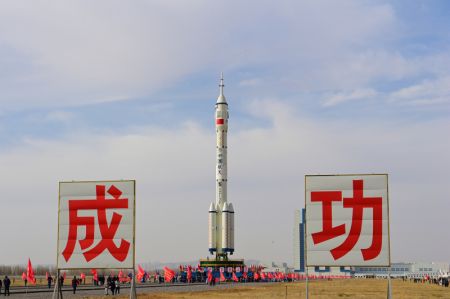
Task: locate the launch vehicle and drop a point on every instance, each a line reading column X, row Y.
column 221, row 212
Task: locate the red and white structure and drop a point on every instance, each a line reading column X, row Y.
column 347, row 220
column 96, row 225
column 221, row 212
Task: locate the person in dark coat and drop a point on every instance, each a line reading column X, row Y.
column 0, row 286
column 112, row 286
column 49, row 281
column 117, row 285
column 7, row 284
column 74, row 284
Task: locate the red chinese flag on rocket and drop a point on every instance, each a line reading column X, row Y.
column 169, row 274
column 30, row 273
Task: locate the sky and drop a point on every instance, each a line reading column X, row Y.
column 98, row 90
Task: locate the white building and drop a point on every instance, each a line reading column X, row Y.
column 404, row 269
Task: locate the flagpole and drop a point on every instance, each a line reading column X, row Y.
column 133, row 286
column 57, row 293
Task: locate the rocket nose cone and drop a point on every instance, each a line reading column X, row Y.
column 230, row 207
column 221, row 99
column 225, row 207
column 212, row 207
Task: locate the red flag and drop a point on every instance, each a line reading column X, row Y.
column 263, row 275
column 256, row 276
column 222, row 277
column 94, row 275
column 24, row 276
column 210, row 276
column 122, row 278
column 189, row 274
column 46, row 275
column 30, row 273
column 234, row 277
column 245, row 275
column 270, row 275
column 82, row 276
column 141, row 273
column 169, row 274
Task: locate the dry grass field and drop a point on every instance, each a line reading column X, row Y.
column 351, row 288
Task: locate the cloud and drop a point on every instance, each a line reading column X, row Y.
column 174, row 169
column 342, row 97
column 250, row 82
column 428, row 92
column 89, row 52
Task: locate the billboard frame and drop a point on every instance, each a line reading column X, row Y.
column 388, row 219
column 134, row 222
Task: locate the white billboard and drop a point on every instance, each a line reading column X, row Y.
column 96, row 225
column 347, row 220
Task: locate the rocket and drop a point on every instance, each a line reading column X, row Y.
column 221, row 212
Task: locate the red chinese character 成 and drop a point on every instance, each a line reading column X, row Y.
column 357, row 203
column 107, row 231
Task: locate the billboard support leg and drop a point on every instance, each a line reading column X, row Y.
column 133, row 286
column 57, row 293
column 306, row 282
column 389, row 287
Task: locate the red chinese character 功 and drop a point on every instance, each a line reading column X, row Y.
column 357, row 203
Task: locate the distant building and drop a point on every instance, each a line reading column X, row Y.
column 397, row 269
column 404, row 269
column 300, row 250
column 299, row 240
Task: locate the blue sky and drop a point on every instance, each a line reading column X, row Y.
column 127, row 90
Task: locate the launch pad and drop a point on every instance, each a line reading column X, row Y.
column 214, row 263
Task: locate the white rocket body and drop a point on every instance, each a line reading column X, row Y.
column 221, row 213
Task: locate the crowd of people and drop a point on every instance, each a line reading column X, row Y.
column 438, row 280
column 211, row 276
column 110, row 283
